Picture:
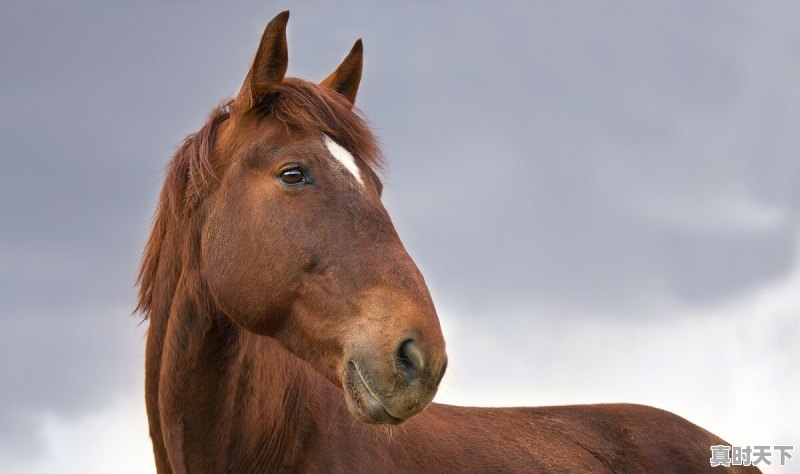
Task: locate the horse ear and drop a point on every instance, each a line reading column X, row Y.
column 347, row 76
column 269, row 65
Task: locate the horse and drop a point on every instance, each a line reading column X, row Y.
column 289, row 330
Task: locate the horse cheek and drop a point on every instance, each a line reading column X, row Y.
column 239, row 265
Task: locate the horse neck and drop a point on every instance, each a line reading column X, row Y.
column 228, row 398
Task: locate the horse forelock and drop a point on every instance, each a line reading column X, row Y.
column 310, row 107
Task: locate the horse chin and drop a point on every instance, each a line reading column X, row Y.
column 362, row 401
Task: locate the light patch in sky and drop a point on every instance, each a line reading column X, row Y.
column 724, row 367
column 344, row 157
column 717, row 213
column 112, row 439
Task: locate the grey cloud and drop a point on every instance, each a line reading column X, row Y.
column 589, row 156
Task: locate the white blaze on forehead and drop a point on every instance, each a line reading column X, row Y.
column 344, row 157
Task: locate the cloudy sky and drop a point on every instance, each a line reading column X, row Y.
column 603, row 197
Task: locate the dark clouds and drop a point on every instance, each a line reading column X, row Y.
column 602, row 156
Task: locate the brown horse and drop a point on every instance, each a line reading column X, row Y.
column 289, row 329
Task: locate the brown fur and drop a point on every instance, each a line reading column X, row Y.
column 280, row 314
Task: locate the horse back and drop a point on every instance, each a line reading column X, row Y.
column 619, row 438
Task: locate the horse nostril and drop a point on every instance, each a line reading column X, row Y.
column 410, row 360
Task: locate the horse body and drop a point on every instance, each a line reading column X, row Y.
column 290, row 330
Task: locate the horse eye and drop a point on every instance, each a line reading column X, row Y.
column 293, row 176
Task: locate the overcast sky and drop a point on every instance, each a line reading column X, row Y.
column 603, row 197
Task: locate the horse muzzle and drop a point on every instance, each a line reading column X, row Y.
column 381, row 391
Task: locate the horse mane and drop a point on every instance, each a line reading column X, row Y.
column 194, row 172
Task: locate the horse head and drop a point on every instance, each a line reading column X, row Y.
column 296, row 244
